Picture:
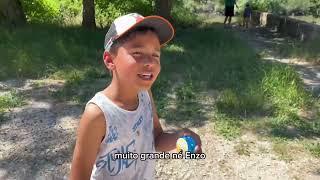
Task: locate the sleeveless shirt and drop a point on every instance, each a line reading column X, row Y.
column 126, row 132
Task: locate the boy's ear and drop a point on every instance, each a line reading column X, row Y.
column 108, row 60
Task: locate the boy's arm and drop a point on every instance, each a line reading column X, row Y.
column 90, row 133
column 165, row 141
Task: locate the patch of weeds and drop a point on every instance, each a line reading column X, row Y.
column 282, row 149
column 10, row 100
column 186, row 92
column 314, row 148
column 81, row 84
column 285, row 148
column 243, row 148
column 38, row 84
column 241, row 104
column 227, row 127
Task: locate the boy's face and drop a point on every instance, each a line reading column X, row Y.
column 137, row 61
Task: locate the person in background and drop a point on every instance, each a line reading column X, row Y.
column 229, row 11
column 247, row 15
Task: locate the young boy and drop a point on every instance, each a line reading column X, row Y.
column 123, row 118
column 247, row 15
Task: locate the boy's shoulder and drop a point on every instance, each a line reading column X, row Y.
column 93, row 111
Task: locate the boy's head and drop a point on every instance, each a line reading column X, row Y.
column 132, row 48
column 247, row 4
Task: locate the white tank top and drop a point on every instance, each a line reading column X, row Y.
column 126, row 131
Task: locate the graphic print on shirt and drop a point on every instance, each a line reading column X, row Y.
column 137, row 124
column 115, row 166
column 112, row 135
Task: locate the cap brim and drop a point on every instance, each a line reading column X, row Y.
column 162, row 27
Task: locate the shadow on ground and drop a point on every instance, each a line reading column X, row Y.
column 40, row 136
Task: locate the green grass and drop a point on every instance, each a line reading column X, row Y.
column 9, row 100
column 314, row 148
column 39, row 50
column 80, row 84
column 228, row 128
column 252, row 94
column 283, row 150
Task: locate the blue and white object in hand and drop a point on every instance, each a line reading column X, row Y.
column 186, row 143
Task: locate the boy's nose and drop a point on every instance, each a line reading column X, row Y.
column 148, row 60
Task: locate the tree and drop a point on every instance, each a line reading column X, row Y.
column 88, row 14
column 163, row 8
column 11, row 12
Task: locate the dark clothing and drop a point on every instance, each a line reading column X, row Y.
column 229, row 11
column 229, row 3
column 247, row 12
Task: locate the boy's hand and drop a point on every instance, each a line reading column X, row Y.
column 196, row 137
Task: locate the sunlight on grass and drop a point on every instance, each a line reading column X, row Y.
column 227, row 127
column 175, row 48
column 314, row 148
column 9, row 100
column 38, row 50
column 81, row 84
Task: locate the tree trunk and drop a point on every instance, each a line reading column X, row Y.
column 163, row 8
column 88, row 15
column 11, row 12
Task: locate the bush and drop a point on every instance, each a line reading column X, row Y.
column 107, row 11
column 41, row 11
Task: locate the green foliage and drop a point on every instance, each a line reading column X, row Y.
column 10, row 100
column 297, row 6
column 70, row 11
column 227, row 127
column 107, row 11
column 186, row 92
column 183, row 13
column 41, row 11
column 315, row 8
column 81, row 83
column 274, row 6
column 241, row 103
column 38, row 51
column 314, row 148
column 283, row 86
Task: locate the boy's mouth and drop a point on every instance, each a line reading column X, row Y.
column 146, row 76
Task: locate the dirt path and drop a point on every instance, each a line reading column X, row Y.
column 38, row 140
column 265, row 41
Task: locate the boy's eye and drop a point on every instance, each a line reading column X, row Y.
column 137, row 53
column 156, row 55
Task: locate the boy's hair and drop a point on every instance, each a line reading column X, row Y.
column 129, row 35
